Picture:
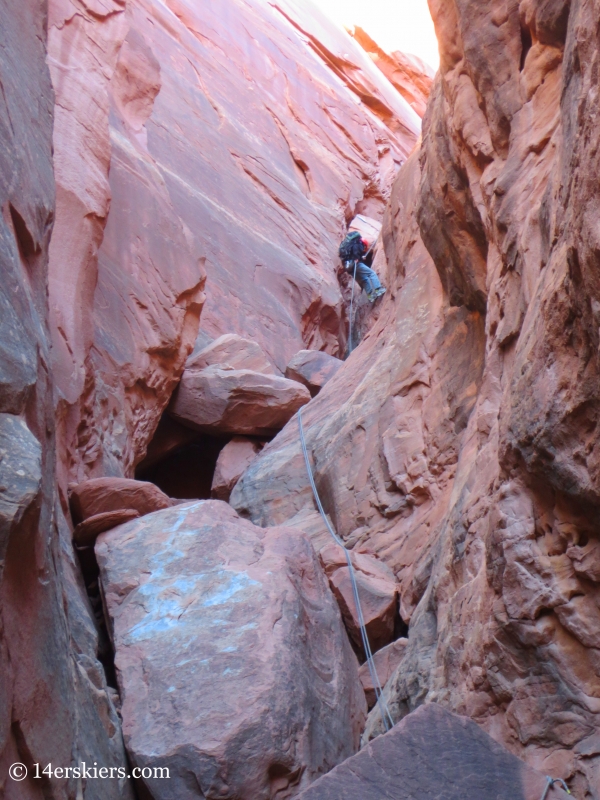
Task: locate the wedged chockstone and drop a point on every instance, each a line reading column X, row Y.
column 432, row 754
column 234, row 668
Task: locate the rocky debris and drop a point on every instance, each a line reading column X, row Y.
column 432, row 753
column 377, row 590
column 234, row 459
column 411, row 76
column 232, row 352
column 313, row 369
column 234, row 669
column 103, row 495
column 238, row 401
column 86, row 532
column 386, row 662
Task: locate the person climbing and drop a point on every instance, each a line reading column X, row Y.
column 357, row 256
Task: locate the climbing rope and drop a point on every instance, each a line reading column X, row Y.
column 381, row 701
column 352, row 297
column 550, row 783
column 351, row 306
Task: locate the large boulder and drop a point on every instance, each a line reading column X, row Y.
column 234, row 459
column 233, row 351
column 101, row 495
column 377, row 590
column 432, row 753
column 234, row 669
column 313, row 369
column 239, row 401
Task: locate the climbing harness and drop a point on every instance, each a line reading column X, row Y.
column 381, row 701
column 550, row 783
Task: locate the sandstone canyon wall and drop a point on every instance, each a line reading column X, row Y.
column 232, row 141
column 53, row 694
column 207, row 158
column 145, row 147
column 459, row 441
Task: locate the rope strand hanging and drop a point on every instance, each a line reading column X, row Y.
column 386, row 716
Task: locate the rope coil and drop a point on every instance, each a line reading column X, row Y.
column 386, row 716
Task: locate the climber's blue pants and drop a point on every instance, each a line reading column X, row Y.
column 367, row 278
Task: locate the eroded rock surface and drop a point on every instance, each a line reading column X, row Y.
column 386, row 662
column 101, row 495
column 231, row 141
column 234, row 459
column 233, row 352
column 411, row 76
column 230, row 654
column 54, row 703
column 377, row 591
column 313, row 369
column 432, row 753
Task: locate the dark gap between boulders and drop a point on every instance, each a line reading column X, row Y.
column 187, row 472
column 91, row 579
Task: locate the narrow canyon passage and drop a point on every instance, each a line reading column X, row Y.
column 176, row 179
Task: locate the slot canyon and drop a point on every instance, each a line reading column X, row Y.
column 264, row 535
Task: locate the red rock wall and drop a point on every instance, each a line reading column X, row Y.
column 407, row 73
column 459, row 442
column 233, row 140
column 54, row 706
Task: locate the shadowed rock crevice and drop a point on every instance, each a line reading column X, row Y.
column 188, row 471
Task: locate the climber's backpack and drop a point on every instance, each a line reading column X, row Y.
column 352, row 248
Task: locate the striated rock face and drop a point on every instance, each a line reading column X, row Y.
column 230, row 654
column 125, row 287
column 458, row 442
column 432, row 753
column 54, row 703
column 232, row 141
column 412, row 77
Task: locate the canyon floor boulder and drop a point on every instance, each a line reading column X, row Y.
column 234, row 459
column 313, row 369
column 377, row 590
column 238, row 401
column 102, row 495
column 432, row 753
column 234, row 669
